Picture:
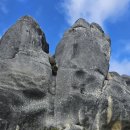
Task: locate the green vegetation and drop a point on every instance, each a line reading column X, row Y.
column 34, row 41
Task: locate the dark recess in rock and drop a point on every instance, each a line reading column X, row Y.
column 34, row 94
column 53, row 65
column 71, row 90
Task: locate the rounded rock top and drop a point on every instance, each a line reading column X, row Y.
column 81, row 23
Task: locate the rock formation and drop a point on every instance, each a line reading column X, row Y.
column 71, row 91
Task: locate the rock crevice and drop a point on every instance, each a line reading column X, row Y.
column 72, row 90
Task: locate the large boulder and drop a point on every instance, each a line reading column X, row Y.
column 83, row 61
column 84, row 46
column 71, row 90
column 87, row 95
column 26, row 92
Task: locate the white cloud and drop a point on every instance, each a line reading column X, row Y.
column 120, row 61
column 122, row 67
column 101, row 11
column 94, row 10
column 123, row 48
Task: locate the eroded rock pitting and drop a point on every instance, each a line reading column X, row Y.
column 71, row 90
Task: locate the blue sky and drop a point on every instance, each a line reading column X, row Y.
column 55, row 16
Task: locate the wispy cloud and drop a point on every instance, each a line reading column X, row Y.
column 120, row 60
column 122, row 48
column 3, row 7
column 94, row 10
column 101, row 11
column 122, row 67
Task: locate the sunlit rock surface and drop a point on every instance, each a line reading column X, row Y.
column 71, row 90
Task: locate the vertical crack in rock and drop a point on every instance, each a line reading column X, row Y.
column 109, row 109
column 71, row 90
column 83, row 48
column 53, row 66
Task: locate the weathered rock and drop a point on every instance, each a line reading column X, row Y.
column 26, row 78
column 127, row 80
column 24, row 35
column 84, row 46
column 83, row 66
column 114, row 104
column 72, row 90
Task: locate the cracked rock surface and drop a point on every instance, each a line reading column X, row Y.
column 72, row 90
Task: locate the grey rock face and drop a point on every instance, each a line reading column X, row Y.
column 84, row 46
column 127, row 79
column 71, row 91
column 86, row 94
column 26, row 79
column 24, row 35
column 83, row 67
